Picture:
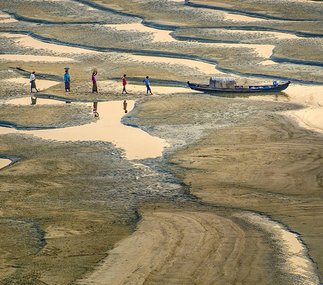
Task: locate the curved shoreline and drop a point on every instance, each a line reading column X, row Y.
column 245, row 13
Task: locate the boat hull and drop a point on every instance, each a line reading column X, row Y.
column 250, row 89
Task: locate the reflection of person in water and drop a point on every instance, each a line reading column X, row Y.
column 125, row 104
column 95, row 109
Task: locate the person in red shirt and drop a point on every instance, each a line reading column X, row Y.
column 124, row 83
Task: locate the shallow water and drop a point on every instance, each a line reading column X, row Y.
column 40, row 101
column 136, row 143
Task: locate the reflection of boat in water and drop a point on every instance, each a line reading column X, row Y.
column 229, row 85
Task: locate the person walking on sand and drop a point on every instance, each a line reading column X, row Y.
column 95, row 86
column 146, row 80
column 33, row 82
column 124, row 83
column 67, row 81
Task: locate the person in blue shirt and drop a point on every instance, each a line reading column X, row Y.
column 67, row 81
column 147, row 85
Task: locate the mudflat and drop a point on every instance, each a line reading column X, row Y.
column 226, row 189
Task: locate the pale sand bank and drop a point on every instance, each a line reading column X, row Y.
column 159, row 247
column 136, row 143
column 240, row 18
column 29, row 42
column 6, row 18
column 268, row 62
column 310, row 118
column 41, row 84
column 312, row 98
column 193, row 64
column 4, row 162
column 158, row 251
column 296, row 261
column 158, row 35
column 34, row 58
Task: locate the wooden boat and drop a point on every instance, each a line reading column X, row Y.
column 212, row 88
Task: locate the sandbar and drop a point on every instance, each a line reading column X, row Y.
column 34, row 58
column 158, row 35
column 29, row 42
column 41, row 84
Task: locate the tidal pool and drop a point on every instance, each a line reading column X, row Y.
column 136, row 143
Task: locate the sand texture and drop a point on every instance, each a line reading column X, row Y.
column 178, row 187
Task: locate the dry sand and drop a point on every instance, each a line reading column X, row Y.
column 6, row 18
column 29, row 42
column 158, row 35
column 158, row 251
column 265, row 164
column 110, row 85
column 41, row 84
column 4, row 162
column 33, row 58
column 193, row 64
column 241, row 18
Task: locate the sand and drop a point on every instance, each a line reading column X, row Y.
column 6, row 18
column 136, row 143
column 158, row 35
column 29, row 42
column 33, row 58
column 156, row 251
column 41, row 84
column 4, row 162
column 241, row 18
column 72, row 201
column 110, row 85
column 193, row 64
